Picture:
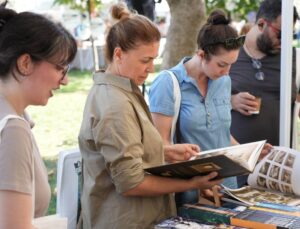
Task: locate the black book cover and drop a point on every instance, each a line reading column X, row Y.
column 202, row 166
column 227, row 162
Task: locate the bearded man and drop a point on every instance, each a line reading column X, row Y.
column 256, row 73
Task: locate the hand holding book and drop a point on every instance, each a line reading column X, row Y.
column 180, row 152
column 265, row 151
column 207, row 181
column 229, row 161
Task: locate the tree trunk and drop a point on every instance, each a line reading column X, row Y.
column 186, row 19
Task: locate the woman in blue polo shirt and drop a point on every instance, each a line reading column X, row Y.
column 204, row 116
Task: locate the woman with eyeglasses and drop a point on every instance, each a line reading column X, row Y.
column 204, row 115
column 34, row 58
column 117, row 138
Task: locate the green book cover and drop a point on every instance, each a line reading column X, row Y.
column 207, row 214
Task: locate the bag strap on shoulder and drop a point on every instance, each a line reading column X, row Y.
column 177, row 99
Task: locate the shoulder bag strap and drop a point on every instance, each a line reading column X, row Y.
column 177, row 99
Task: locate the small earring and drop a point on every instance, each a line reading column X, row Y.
column 147, row 70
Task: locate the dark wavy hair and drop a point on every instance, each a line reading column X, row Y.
column 33, row 34
column 213, row 34
column 271, row 9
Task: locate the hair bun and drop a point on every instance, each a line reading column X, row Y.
column 120, row 12
column 218, row 17
column 5, row 14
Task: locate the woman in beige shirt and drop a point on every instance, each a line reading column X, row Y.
column 118, row 140
column 34, row 58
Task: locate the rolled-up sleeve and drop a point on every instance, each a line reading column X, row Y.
column 119, row 138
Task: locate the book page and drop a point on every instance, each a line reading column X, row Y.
column 278, row 172
column 245, row 155
column 242, row 155
column 252, row 196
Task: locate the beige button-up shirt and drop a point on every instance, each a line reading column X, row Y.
column 117, row 141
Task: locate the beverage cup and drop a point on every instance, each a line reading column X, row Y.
column 258, row 101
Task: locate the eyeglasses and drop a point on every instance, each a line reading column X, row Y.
column 230, row 43
column 275, row 30
column 64, row 69
column 256, row 64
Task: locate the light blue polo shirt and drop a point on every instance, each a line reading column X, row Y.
column 204, row 121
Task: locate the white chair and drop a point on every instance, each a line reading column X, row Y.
column 67, row 186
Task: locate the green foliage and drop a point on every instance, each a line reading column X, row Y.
column 78, row 82
column 82, row 5
column 235, row 8
column 51, row 164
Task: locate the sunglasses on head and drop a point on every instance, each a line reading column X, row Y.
column 230, row 43
column 256, row 64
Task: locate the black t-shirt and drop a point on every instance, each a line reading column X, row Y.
column 265, row 125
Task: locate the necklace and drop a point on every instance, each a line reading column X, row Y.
column 256, row 64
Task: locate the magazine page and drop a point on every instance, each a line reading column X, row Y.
column 278, row 172
column 252, row 196
column 245, row 154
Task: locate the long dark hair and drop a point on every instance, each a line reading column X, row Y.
column 35, row 35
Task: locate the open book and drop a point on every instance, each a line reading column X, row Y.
column 274, row 179
column 229, row 161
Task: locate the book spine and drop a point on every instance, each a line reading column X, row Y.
column 204, row 216
column 275, row 211
column 250, row 224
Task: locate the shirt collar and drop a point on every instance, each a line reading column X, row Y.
column 180, row 71
column 123, row 83
column 118, row 81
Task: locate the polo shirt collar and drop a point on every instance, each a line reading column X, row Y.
column 181, row 72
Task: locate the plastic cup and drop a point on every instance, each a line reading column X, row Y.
column 258, row 101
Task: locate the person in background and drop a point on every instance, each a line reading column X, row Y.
column 245, row 28
column 34, row 59
column 257, row 74
column 118, row 140
column 143, row 7
column 204, row 115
